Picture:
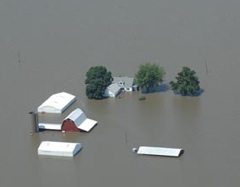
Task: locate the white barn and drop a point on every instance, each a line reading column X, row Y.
column 65, row 149
column 57, row 103
column 76, row 121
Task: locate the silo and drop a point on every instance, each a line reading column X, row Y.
column 34, row 121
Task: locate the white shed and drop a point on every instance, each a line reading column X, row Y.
column 57, row 103
column 65, row 149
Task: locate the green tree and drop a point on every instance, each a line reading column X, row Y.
column 149, row 76
column 97, row 80
column 186, row 83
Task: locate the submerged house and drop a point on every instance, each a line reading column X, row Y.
column 112, row 90
column 120, row 84
column 126, row 83
column 57, row 103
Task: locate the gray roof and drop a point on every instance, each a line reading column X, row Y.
column 126, row 81
column 114, row 88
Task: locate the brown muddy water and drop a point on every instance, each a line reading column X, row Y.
column 47, row 46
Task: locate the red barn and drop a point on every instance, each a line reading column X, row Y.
column 69, row 125
column 77, row 121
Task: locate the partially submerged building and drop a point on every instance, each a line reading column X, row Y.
column 65, row 149
column 120, row 84
column 126, row 83
column 112, row 90
column 158, row 151
column 57, row 103
column 76, row 121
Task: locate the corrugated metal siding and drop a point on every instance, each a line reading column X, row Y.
column 69, row 126
column 159, row 151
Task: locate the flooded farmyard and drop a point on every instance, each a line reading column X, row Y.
column 47, row 47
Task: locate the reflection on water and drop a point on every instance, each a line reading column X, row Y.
column 186, row 108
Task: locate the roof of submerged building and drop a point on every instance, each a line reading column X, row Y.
column 57, row 103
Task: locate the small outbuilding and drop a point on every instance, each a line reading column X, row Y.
column 77, row 121
column 57, row 103
column 65, row 149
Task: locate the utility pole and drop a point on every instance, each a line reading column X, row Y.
column 19, row 60
column 206, row 67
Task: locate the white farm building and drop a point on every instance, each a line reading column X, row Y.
column 158, row 151
column 57, row 103
column 76, row 121
column 65, row 149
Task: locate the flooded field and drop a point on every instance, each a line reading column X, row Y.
column 47, row 47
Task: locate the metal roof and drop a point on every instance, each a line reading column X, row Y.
column 159, row 151
column 57, row 103
column 124, row 81
column 59, row 148
column 81, row 120
column 114, row 88
column 50, row 126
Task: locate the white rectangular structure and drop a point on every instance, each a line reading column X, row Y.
column 64, row 149
column 57, row 103
column 49, row 126
column 87, row 125
column 159, row 151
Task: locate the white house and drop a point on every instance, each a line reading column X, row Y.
column 57, row 103
column 112, row 90
column 126, row 83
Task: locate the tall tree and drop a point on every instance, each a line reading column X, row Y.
column 186, row 83
column 149, row 76
column 97, row 80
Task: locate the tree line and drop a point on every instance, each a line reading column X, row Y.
column 148, row 77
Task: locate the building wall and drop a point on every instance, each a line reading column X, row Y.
column 128, row 89
column 111, row 94
column 69, row 125
column 108, row 93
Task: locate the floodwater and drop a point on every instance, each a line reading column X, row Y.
column 47, row 47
